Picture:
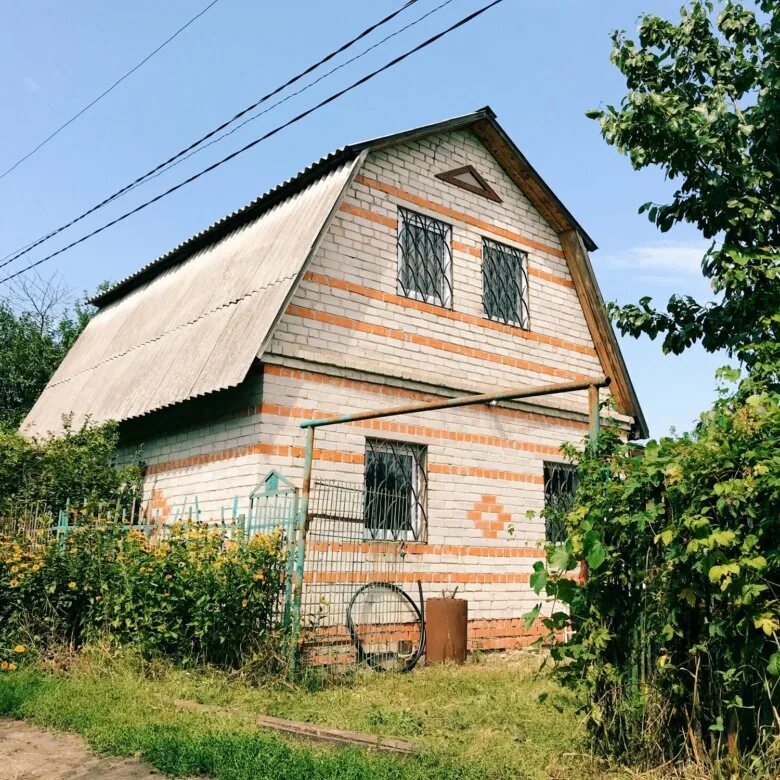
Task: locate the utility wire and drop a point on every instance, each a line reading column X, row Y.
column 16, row 254
column 335, row 96
column 105, row 92
column 278, row 103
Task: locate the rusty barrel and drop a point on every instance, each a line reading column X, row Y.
column 446, row 622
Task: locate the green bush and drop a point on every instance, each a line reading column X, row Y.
column 192, row 596
column 79, row 466
column 676, row 641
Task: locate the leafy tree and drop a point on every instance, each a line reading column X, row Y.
column 38, row 325
column 703, row 103
column 676, row 641
column 676, row 627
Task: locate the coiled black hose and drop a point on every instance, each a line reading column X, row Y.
column 376, row 660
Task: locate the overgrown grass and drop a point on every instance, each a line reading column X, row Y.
column 478, row 721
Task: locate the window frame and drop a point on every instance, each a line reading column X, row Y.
column 445, row 299
column 552, row 531
column 417, row 530
column 490, row 244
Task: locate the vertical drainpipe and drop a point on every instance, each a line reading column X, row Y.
column 593, row 411
column 301, row 527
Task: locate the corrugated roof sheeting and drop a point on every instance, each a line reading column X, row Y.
column 197, row 326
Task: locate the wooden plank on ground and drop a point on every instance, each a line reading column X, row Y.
column 308, row 730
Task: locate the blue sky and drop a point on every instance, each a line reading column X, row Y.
column 539, row 63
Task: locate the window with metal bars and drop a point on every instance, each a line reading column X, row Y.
column 395, row 490
column 504, row 283
column 560, row 485
column 424, row 258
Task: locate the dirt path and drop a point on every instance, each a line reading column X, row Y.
column 31, row 753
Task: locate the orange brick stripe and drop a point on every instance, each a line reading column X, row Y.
column 435, row 577
column 425, row 341
column 272, row 369
column 389, row 189
column 474, row 251
column 332, row 456
column 485, row 627
column 371, row 634
column 472, row 471
column 386, row 426
column 550, row 277
column 478, row 629
column 289, row 451
column 369, row 215
column 412, row 549
column 496, row 634
column 540, row 273
column 455, row 316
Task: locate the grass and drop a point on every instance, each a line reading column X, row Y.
column 483, row 720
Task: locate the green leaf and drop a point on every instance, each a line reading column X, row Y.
column 560, row 559
column 596, row 556
column 530, row 617
column 722, row 538
column 689, row 596
column 566, row 589
column 773, row 667
column 538, row 579
column 717, row 573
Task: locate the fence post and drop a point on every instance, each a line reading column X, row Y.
column 62, row 522
column 301, row 527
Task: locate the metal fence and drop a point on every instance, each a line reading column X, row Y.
column 355, row 606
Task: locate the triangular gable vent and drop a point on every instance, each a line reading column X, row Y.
column 469, row 179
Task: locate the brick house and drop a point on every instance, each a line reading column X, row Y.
column 433, row 262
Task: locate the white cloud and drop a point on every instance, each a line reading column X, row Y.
column 660, row 261
column 31, row 84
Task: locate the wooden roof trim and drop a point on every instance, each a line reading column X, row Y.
column 526, row 177
column 483, row 189
column 604, row 338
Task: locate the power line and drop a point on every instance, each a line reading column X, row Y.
column 105, row 92
column 17, row 253
column 285, row 99
column 269, row 134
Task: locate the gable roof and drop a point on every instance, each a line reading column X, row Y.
column 193, row 320
column 196, row 326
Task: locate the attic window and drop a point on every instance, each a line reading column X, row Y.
column 424, row 258
column 468, row 178
column 504, row 284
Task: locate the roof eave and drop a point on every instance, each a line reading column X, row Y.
column 224, row 226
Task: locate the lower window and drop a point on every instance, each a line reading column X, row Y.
column 395, row 490
column 560, row 484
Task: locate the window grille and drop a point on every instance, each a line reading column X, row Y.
column 424, row 259
column 560, row 484
column 396, row 488
column 504, row 283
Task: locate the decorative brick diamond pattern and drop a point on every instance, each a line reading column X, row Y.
column 489, row 516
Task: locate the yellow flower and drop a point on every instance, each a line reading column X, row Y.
column 13, row 583
column 20, row 649
column 259, row 576
column 11, row 667
column 4, row 665
column 244, row 603
column 72, row 585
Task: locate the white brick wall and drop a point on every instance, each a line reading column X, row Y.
column 473, row 453
column 363, row 252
